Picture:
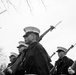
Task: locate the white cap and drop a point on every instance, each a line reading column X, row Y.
column 61, row 49
column 31, row 29
column 22, row 43
column 12, row 53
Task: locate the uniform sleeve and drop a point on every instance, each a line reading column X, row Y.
column 70, row 62
column 73, row 66
column 40, row 63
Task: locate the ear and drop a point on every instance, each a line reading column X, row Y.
column 33, row 35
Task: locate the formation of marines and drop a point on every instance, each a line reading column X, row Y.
column 33, row 59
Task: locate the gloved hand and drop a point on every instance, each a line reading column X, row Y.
column 71, row 71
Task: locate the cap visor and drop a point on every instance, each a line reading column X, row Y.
column 59, row 50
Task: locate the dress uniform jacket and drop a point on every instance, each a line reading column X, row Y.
column 10, row 64
column 20, row 70
column 37, row 60
column 63, row 64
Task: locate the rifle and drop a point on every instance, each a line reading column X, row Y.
column 71, row 47
column 52, row 55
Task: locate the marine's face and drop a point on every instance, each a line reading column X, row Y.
column 61, row 54
column 21, row 49
column 28, row 38
column 12, row 58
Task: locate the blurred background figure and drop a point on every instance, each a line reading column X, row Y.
column 22, row 46
column 15, row 67
column 12, row 58
column 1, row 70
column 63, row 63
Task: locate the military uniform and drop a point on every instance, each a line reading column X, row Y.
column 15, row 67
column 62, row 64
column 20, row 70
column 37, row 59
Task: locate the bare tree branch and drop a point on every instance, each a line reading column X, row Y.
column 3, row 11
column 3, row 3
column 43, row 4
column 19, row 3
column 29, row 5
column 12, row 5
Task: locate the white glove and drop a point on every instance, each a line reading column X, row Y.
column 9, row 70
column 71, row 71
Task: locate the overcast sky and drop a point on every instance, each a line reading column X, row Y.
column 17, row 14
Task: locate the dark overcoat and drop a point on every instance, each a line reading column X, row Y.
column 63, row 65
column 37, row 60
